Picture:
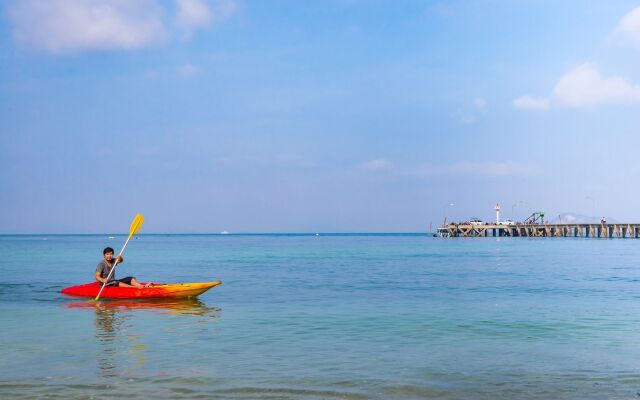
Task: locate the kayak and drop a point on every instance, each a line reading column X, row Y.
column 153, row 291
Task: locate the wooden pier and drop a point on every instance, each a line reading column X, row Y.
column 542, row 230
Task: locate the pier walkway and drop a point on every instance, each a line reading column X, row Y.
column 542, row 230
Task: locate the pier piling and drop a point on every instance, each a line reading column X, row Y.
column 620, row 231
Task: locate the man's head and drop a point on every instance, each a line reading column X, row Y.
column 107, row 253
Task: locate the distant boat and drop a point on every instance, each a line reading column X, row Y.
column 111, row 237
column 224, row 233
column 443, row 233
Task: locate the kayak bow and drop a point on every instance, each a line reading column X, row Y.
column 153, row 291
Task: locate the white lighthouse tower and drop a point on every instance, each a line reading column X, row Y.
column 497, row 214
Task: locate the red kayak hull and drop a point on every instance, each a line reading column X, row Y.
column 154, row 291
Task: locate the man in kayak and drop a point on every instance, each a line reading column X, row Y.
column 105, row 266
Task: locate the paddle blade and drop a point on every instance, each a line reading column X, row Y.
column 136, row 224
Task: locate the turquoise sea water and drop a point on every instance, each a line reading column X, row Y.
column 326, row 317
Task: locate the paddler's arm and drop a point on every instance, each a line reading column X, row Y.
column 119, row 259
column 100, row 278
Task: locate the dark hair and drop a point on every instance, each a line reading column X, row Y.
column 107, row 250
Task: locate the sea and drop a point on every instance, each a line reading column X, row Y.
column 328, row 316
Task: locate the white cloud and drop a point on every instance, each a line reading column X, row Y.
column 62, row 26
column 531, row 103
column 353, row 29
column 487, row 169
column 467, row 117
column 223, row 10
column 377, row 165
column 463, row 117
column 480, row 103
column 629, row 26
column 292, row 160
column 188, row 70
column 199, row 14
column 584, row 86
column 192, row 14
column 69, row 26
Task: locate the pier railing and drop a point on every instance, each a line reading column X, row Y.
column 542, row 230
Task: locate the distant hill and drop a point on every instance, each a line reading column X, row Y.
column 573, row 218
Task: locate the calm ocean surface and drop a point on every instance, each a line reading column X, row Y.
column 326, row 317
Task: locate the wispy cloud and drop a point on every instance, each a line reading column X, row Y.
column 480, row 104
column 199, row 14
column 463, row 117
column 531, row 103
column 192, row 14
column 61, row 26
column 188, row 70
column 462, row 168
column 377, row 165
column 487, row 169
column 71, row 26
column 469, row 114
column 629, row 27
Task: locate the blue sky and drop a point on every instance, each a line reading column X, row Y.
column 315, row 116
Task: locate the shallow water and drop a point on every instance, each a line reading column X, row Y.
column 324, row 317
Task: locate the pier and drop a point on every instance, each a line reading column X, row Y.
column 603, row 230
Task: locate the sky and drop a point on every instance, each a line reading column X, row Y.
column 315, row 116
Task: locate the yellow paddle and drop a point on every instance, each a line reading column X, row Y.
column 133, row 229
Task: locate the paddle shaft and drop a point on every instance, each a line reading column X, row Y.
column 112, row 269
